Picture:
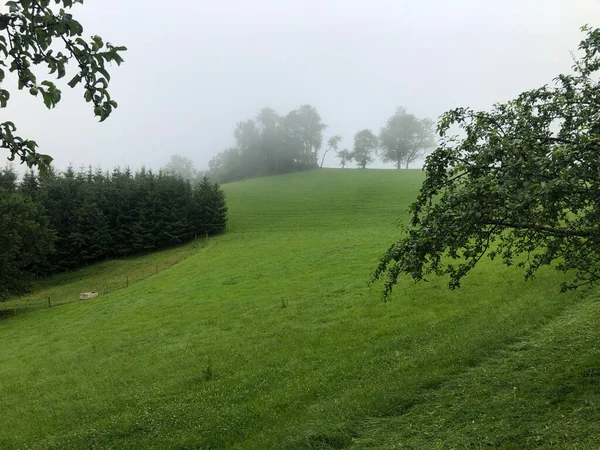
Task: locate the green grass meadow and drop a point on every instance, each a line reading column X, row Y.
column 268, row 337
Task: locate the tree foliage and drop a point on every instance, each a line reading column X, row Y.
column 405, row 138
column 305, row 127
column 520, row 183
column 181, row 166
column 332, row 144
column 26, row 242
column 365, row 146
column 271, row 144
column 96, row 215
column 43, row 33
column 345, row 156
column 61, row 221
column 209, row 210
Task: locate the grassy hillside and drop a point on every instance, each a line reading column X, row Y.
column 269, row 337
column 104, row 278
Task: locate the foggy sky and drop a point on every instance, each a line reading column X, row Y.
column 195, row 68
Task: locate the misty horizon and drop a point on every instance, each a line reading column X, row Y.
column 194, row 70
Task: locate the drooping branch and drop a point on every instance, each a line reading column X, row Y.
column 525, row 174
column 558, row 232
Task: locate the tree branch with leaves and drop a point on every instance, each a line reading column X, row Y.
column 520, row 183
column 332, row 144
column 31, row 32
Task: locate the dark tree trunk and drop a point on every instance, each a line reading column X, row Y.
column 323, row 159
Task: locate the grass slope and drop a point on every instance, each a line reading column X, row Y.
column 105, row 277
column 269, row 337
column 540, row 392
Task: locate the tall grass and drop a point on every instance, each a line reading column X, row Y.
column 269, row 337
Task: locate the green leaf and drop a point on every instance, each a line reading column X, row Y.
column 48, row 99
column 99, row 43
column 4, row 21
column 74, row 81
column 12, row 6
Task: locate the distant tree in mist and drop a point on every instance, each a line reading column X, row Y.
column 405, row 138
column 365, row 146
column 344, row 156
column 306, row 127
column 181, row 166
column 227, row 166
column 271, row 144
column 332, row 144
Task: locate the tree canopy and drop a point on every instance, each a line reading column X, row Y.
column 520, row 183
column 365, row 146
column 26, row 241
column 209, row 209
column 345, row 156
column 38, row 33
column 332, row 144
column 63, row 220
column 405, row 138
column 181, row 166
column 272, row 144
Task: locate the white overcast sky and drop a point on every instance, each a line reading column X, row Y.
column 195, row 68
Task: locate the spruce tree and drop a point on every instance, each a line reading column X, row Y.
column 26, row 241
column 218, row 209
column 209, row 210
column 200, row 214
column 30, row 186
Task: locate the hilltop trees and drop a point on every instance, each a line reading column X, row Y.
column 521, row 183
column 271, row 144
column 332, row 144
column 35, row 33
column 305, row 128
column 365, row 146
column 181, row 166
column 344, row 156
column 227, row 166
column 405, row 138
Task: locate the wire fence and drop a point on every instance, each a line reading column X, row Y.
column 65, row 288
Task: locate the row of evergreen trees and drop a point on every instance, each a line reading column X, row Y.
column 94, row 215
